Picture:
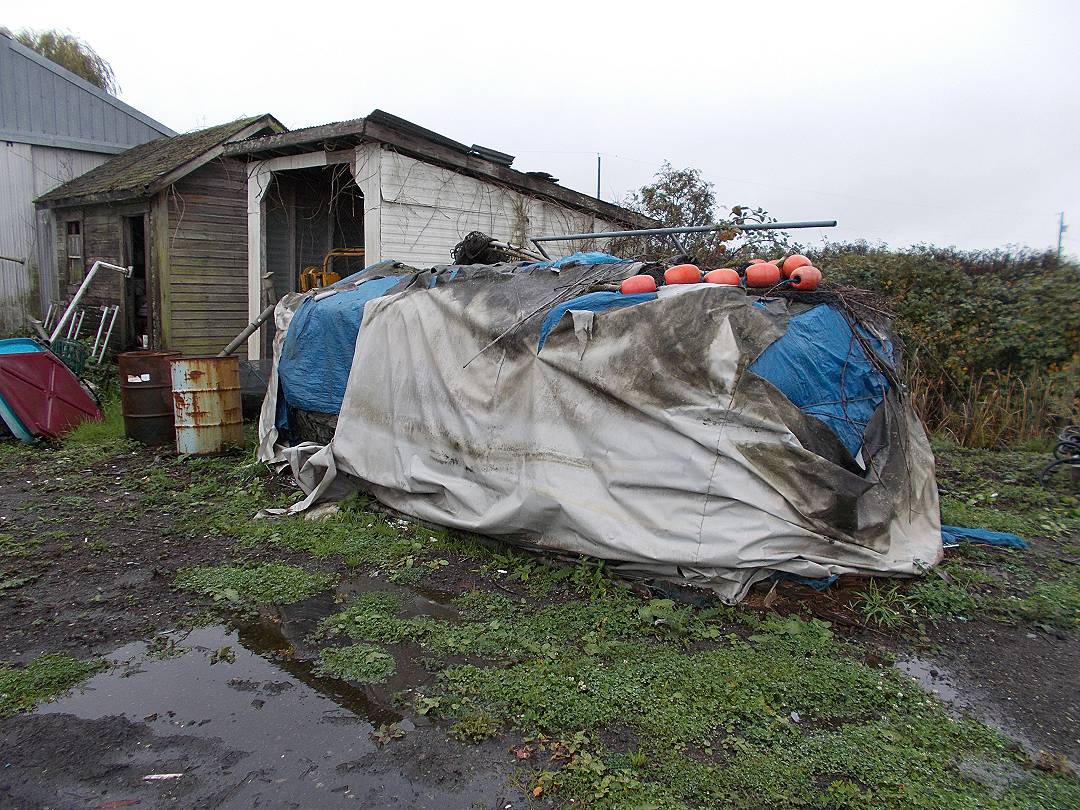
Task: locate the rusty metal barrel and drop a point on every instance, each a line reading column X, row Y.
column 206, row 404
column 146, row 396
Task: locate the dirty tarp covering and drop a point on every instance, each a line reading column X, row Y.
column 637, row 435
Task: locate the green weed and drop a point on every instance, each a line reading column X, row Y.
column 10, row 546
column 269, row 583
column 475, row 728
column 885, row 607
column 21, row 688
column 935, row 598
column 362, row 663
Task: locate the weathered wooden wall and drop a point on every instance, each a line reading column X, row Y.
column 201, row 257
column 102, row 237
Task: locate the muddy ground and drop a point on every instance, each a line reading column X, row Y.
column 231, row 703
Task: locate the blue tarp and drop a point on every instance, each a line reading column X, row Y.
column 317, row 353
column 954, row 535
column 820, row 366
column 592, row 302
column 588, row 258
column 950, row 536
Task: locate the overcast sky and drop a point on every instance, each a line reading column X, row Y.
column 943, row 122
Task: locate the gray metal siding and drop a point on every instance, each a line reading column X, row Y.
column 44, row 104
column 53, row 127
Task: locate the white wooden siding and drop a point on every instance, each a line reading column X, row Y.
column 425, row 210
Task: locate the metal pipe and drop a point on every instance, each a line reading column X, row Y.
column 105, row 345
column 126, row 271
column 79, row 323
column 48, row 314
column 249, row 330
column 71, row 324
column 100, row 329
column 720, row 226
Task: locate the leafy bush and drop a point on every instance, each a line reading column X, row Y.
column 990, row 338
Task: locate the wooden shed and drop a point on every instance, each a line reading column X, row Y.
column 394, row 190
column 174, row 209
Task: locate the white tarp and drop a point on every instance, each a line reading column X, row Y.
column 637, row 436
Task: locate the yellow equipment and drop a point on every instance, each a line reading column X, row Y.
column 315, row 276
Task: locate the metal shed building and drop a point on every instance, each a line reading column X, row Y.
column 54, row 126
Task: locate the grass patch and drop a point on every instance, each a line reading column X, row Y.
column 495, row 626
column 269, row 583
column 11, row 546
column 1054, row 604
column 22, row 688
column 93, row 440
column 788, row 718
column 362, row 663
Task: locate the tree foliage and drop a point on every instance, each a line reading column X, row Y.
column 684, row 198
column 73, row 54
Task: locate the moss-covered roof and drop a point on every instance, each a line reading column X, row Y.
column 132, row 174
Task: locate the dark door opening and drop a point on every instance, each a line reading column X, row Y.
column 137, row 327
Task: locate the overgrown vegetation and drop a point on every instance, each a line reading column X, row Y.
column 22, row 688
column 992, row 337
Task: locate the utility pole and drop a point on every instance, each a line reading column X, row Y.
column 598, row 181
column 1062, row 227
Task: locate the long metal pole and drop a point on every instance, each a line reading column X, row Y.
column 249, row 330
column 1061, row 231
column 598, row 175
column 720, row 226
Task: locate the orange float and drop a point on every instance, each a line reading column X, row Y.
column 806, row 278
column 764, row 274
column 793, row 263
column 683, row 274
column 638, row 284
column 723, row 275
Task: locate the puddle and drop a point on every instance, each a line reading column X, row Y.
column 959, row 698
column 297, row 739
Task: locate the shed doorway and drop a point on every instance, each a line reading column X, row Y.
column 138, row 327
column 309, row 214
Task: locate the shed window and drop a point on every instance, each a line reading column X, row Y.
column 73, row 247
column 74, row 239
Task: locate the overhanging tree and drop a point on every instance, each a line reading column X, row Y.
column 73, row 54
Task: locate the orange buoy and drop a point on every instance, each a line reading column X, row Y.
column 723, row 275
column 638, row 284
column 806, row 278
column 793, row 263
column 764, row 274
column 683, row 274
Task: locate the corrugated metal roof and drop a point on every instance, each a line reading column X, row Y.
column 132, row 173
column 41, row 103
